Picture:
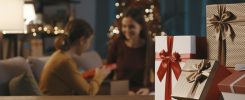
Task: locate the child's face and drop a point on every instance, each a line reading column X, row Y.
column 85, row 44
column 130, row 28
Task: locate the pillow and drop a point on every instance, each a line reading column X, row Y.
column 37, row 65
column 10, row 68
column 23, row 85
column 88, row 60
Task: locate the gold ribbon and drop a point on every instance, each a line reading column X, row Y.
column 199, row 73
column 222, row 24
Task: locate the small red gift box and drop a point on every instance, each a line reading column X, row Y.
column 90, row 73
column 233, row 86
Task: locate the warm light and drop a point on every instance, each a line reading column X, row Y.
column 62, row 31
column 150, row 10
column 55, row 32
column 117, row 16
column 55, row 28
column 117, row 4
column 45, row 28
column 29, row 13
column 147, row 10
column 121, row 14
column 152, row 6
column 123, row 3
column 11, row 17
column 34, row 34
column 40, row 28
column 115, row 30
column 33, row 30
column 48, row 31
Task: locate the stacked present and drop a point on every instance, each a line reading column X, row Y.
column 179, row 76
column 226, row 40
column 171, row 51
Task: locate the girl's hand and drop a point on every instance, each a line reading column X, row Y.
column 143, row 91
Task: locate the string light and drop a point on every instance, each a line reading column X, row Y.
column 150, row 10
column 152, row 6
column 25, row 32
column 48, row 31
column 123, row 3
column 117, row 4
column 45, row 28
column 55, row 28
column 121, row 14
column 146, row 10
column 117, row 16
column 40, row 28
column 34, row 34
column 33, row 30
column 115, row 30
column 62, row 31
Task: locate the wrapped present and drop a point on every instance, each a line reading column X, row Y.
column 233, row 87
column 225, row 33
column 170, row 52
column 195, row 79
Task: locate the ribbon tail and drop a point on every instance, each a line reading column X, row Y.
column 162, row 70
column 176, row 69
column 193, row 90
column 168, row 84
column 222, row 51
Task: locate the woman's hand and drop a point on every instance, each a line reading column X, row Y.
column 103, row 71
column 131, row 93
column 143, row 91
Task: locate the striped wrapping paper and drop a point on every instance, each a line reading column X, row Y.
column 235, row 50
column 183, row 88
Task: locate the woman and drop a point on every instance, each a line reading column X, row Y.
column 60, row 75
column 130, row 52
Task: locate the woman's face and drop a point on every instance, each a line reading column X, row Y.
column 130, row 28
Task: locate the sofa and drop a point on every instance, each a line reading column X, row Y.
column 32, row 67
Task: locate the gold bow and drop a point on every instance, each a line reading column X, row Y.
column 199, row 73
column 222, row 24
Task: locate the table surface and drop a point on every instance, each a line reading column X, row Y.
column 77, row 97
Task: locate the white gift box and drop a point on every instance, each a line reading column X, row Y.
column 232, row 96
column 184, row 45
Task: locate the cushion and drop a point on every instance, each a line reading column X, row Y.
column 11, row 68
column 23, row 85
column 88, row 60
column 37, row 65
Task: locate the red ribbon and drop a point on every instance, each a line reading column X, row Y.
column 169, row 61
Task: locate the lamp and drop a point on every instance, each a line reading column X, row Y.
column 11, row 16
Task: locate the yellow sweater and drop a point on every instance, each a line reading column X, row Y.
column 60, row 76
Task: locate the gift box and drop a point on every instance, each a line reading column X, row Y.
column 171, row 51
column 233, row 87
column 117, row 87
column 195, row 79
column 225, row 33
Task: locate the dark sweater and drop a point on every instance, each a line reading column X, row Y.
column 130, row 61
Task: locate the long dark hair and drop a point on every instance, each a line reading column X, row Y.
column 137, row 14
column 75, row 29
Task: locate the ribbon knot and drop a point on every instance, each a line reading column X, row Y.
column 174, row 57
column 199, row 73
column 222, row 23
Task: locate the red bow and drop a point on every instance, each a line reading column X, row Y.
column 169, row 61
